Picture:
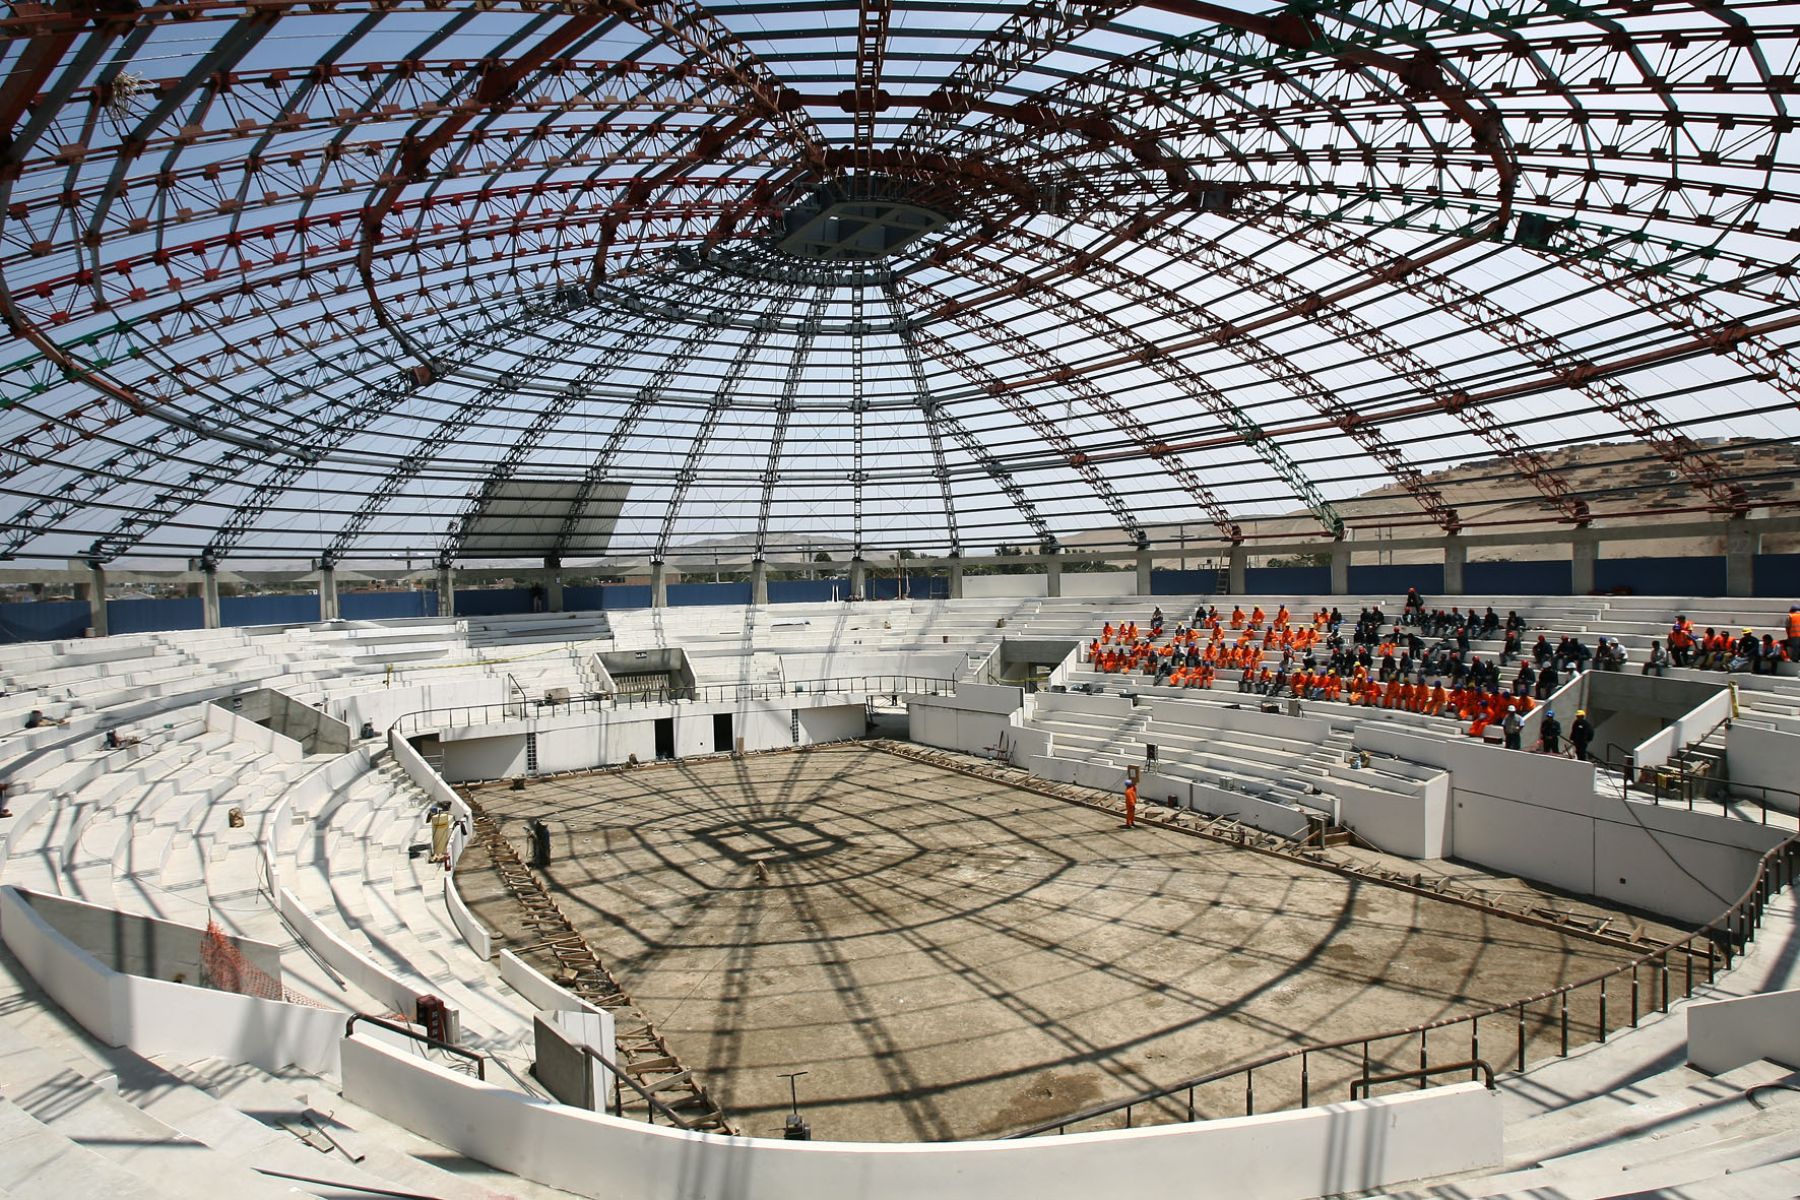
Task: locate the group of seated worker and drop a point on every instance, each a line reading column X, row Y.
column 1382, row 675
column 1190, row 655
column 1716, row 650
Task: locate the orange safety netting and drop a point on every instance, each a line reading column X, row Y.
column 224, row 968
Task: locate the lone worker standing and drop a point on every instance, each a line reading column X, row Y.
column 1552, row 731
column 1581, row 733
column 1131, row 804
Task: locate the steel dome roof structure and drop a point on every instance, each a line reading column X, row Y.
column 342, row 279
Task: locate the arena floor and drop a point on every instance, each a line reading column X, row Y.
column 948, row 957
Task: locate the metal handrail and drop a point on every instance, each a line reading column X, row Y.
column 653, row 1105
column 1724, row 937
column 479, row 1060
column 1472, row 1065
column 481, row 714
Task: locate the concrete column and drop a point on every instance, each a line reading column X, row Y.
column 1053, row 573
column 1340, row 569
column 1143, row 573
column 446, row 590
column 759, row 583
column 1742, row 545
column 659, row 585
column 956, row 579
column 1456, row 557
column 553, row 586
column 209, row 598
column 1236, row 569
column 859, row 576
column 328, row 597
column 96, row 599
column 1584, row 552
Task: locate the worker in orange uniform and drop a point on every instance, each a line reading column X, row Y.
column 1131, row 804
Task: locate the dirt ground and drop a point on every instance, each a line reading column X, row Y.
column 950, row 958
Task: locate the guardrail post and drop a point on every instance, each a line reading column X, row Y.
column 1603, row 1010
column 1521, row 1035
column 1565, row 1023
column 1424, row 1060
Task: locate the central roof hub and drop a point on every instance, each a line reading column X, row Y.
column 864, row 218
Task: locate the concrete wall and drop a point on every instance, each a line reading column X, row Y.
column 989, row 587
column 1539, row 817
column 148, row 946
column 383, row 706
column 151, row 1016
column 972, row 721
column 1280, row 1156
column 316, row 731
column 241, row 718
column 581, row 741
column 1415, row 824
column 1765, row 758
column 1089, row 583
column 1726, row 1034
column 1688, row 728
column 482, row 757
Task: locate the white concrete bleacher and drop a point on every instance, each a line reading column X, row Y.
column 145, row 828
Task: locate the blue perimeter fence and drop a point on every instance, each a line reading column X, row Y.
column 1776, row 576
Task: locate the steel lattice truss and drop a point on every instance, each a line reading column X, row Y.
column 321, row 279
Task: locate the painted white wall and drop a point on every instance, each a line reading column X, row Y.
column 154, row 1016
column 378, row 982
column 1727, row 1034
column 973, row 720
column 1538, row 817
column 473, row 932
column 484, row 757
column 1765, row 758
column 1688, row 728
column 242, row 729
column 384, row 706
column 1280, row 1156
column 1414, row 824
column 1095, row 583
column 987, row 587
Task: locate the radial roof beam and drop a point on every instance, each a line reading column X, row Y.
column 1383, row 347
column 939, row 421
column 1093, row 396
column 1049, row 254
column 784, row 411
column 340, row 418
column 1700, row 467
column 723, row 395
column 651, row 393
column 1198, row 319
column 1070, row 454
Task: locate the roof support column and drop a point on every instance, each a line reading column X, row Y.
column 1584, row 552
column 759, row 583
column 1143, row 572
column 956, row 579
column 659, row 584
column 209, row 596
column 1456, row 557
column 1053, row 574
column 96, row 598
column 446, row 590
column 553, row 585
column 859, row 574
column 1236, row 573
column 1742, row 544
column 1340, row 569
column 328, row 596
